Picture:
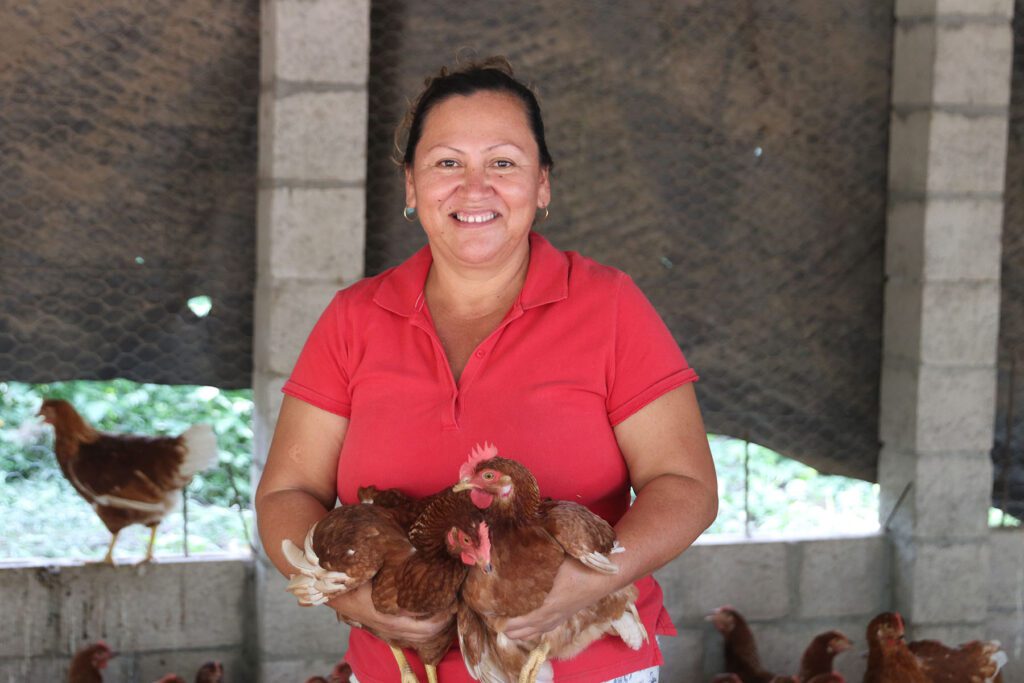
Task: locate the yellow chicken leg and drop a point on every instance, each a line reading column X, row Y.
column 529, row 672
column 152, row 540
column 403, row 666
column 109, row 558
column 431, row 673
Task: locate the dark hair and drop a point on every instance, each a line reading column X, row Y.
column 493, row 74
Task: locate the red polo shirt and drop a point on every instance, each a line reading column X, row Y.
column 580, row 351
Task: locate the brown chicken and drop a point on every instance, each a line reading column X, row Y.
column 830, row 677
column 419, row 571
column 210, row 672
column 128, row 479
column 741, row 655
column 817, row 658
column 892, row 660
column 529, row 542
column 341, row 673
column 89, row 662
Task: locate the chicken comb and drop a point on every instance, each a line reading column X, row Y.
column 485, row 539
column 477, row 456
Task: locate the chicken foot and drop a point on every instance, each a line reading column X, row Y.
column 152, row 540
column 403, row 665
column 431, row 672
column 530, row 670
column 109, row 557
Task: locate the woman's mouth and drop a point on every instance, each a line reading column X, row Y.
column 475, row 217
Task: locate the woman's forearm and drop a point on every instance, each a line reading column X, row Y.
column 287, row 513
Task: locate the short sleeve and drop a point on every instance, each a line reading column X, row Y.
column 647, row 360
column 320, row 376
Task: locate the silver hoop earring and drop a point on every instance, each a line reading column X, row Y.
column 409, row 214
column 545, row 216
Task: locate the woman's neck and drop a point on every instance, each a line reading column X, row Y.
column 471, row 294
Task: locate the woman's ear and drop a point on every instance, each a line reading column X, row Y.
column 543, row 189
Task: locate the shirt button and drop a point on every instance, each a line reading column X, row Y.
column 480, row 353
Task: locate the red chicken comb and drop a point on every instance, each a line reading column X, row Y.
column 477, row 456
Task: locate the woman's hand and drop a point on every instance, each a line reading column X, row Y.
column 357, row 607
column 576, row 587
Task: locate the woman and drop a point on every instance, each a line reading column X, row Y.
column 491, row 334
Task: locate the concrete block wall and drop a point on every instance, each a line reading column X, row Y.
column 310, row 242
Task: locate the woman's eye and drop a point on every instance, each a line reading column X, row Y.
column 503, row 163
column 447, row 163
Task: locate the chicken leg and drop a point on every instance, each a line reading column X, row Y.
column 533, row 665
column 152, row 540
column 403, row 666
column 109, row 557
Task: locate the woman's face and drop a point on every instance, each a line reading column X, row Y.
column 476, row 181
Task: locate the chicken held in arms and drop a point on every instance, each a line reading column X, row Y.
column 530, row 539
column 418, row 571
column 127, row 478
column 893, row 660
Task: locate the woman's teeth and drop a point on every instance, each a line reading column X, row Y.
column 475, row 218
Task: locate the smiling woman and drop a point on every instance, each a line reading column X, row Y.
column 491, row 334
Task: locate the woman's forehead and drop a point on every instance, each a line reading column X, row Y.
column 488, row 118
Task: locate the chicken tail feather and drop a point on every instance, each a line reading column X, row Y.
column 200, row 449
column 600, row 562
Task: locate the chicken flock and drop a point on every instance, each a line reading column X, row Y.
column 890, row 658
column 89, row 662
column 483, row 551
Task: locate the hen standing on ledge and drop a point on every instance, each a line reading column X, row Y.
column 127, row 478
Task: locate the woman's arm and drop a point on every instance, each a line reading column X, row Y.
column 670, row 466
column 297, row 489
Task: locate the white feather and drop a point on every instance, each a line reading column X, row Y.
column 200, row 449
column 630, row 628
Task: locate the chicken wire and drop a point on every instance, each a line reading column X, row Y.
column 730, row 156
column 128, row 158
column 1008, row 451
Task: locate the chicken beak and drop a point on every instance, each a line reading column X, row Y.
column 462, row 486
column 487, row 567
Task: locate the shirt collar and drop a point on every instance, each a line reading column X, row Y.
column 547, row 279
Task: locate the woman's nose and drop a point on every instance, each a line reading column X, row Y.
column 475, row 180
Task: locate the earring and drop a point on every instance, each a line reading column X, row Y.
column 409, row 214
column 545, row 216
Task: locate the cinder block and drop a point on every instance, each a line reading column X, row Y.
column 902, row 319
column 950, row 583
column 30, row 597
column 931, row 8
column 749, row 576
column 156, row 606
column 1006, row 585
column 267, row 398
column 951, row 496
column 312, row 233
column 955, row 408
column 152, row 665
column 913, row 63
column 321, row 40
column 896, row 468
column 941, row 239
column 24, row 670
column 960, row 322
column 286, row 312
column 1008, row 630
column 941, row 151
column 843, row 577
column 897, row 420
column 289, row 631
column 683, row 656
column 318, row 136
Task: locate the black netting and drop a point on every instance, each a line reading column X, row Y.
column 128, row 159
column 730, row 156
column 1008, row 452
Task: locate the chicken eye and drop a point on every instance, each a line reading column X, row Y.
column 488, row 475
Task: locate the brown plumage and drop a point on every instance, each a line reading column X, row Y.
column 817, row 658
column 210, row 672
column 419, row 571
column 741, row 655
column 830, row 677
column 128, row 479
column 892, row 660
column 530, row 540
column 88, row 663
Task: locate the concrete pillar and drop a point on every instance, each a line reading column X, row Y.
column 950, row 98
column 310, row 243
